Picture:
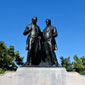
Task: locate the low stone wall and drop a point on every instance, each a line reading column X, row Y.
column 75, row 78
column 41, row 76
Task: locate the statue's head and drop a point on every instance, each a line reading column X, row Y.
column 48, row 22
column 34, row 20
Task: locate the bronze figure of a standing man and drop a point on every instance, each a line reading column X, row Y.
column 49, row 35
column 33, row 32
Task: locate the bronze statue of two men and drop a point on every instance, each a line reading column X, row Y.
column 41, row 45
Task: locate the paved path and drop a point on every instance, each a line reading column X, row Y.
column 7, row 78
column 75, row 78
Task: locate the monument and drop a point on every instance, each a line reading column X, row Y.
column 41, row 66
column 41, row 45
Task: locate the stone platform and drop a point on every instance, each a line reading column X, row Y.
column 41, row 76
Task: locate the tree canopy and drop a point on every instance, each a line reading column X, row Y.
column 77, row 65
column 9, row 59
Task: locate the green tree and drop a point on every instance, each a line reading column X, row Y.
column 79, row 64
column 66, row 63
column 9, row 59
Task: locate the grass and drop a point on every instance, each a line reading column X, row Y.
column 82, row 73
column 2, row 71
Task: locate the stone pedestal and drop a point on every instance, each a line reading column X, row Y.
column 41, row 76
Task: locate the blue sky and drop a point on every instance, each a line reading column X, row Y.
column 67, row 15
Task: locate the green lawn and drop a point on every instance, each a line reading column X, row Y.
column 2, row 71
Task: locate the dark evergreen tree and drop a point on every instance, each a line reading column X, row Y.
column 9, row 59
